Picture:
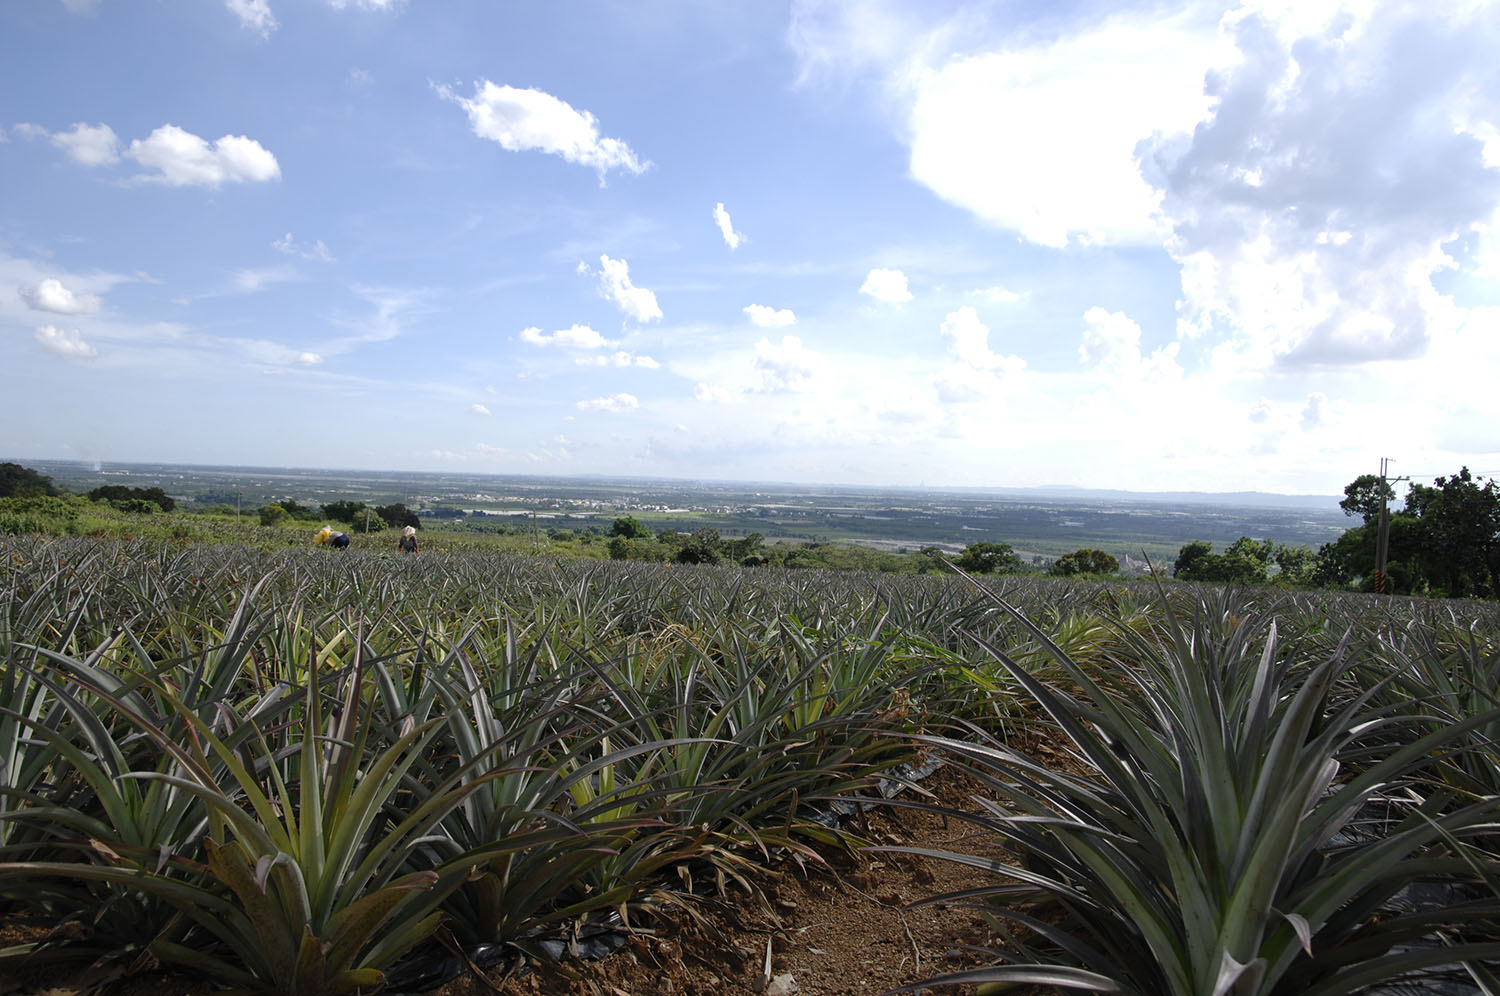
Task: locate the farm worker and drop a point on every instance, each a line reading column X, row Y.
column 326, row 536
column 408, row 543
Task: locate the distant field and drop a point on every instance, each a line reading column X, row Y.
column 1034, row 523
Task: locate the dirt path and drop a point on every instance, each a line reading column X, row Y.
column 842, row 929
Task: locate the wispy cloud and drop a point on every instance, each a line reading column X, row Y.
column 998, row 295
column 317, row 250
column 619, row 359
column 254, row 14
column 252, row 280
column 65, row 343
column 577, row 337
column 612, row 403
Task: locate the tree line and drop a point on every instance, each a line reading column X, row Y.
column 358, row 516
column 1443, row 541
column 17, row 481
column 631, row 539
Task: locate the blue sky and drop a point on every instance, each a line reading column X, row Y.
column 1198, row 246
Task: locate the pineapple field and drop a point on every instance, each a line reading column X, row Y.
column 299, row 772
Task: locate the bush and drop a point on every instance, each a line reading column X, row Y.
column 1085, row 561
column 273, row 515
column 39, row 514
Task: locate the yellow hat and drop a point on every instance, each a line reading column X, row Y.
column 409, row 531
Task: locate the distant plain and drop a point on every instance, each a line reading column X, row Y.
column 1038, row 522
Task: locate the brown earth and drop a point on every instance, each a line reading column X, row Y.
column 840, row 928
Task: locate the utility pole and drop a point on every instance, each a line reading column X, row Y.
column 1383, row 532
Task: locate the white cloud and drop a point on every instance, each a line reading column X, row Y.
column 89, row 145
column 67, row 344
column 612, row 403
column 886, row 285
column 577, row 337
column 51, row 295
column 317, row 250
column 998, row 295
column 614, row 282
column 732, row 239
column 529, row 119
column 249, row 281
column 309, row 359
column 713, row 393
column 968, row 338
column 1112, row 343
column 478, row 409
column 254, row 14
column 787, row 365
column 1311, row 211
column 1029, row 120
column 183, row 159
column 978, row 373
column 619, row 359
column 1041, row 139
column 767, row 317
column 1312, row 412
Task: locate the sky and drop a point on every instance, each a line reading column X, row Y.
column 1160, row 246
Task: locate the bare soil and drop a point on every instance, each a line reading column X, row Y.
column 843, row 927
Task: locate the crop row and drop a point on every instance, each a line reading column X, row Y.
column 289, row 770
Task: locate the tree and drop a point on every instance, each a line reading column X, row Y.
column 930, row 560
column 989, row 558
column 747, row 548
column 1349, row 561
column 343, row 511
column 1194, row 561
column 1460, row 531
column 1085, row 561
column 1366, row 495
column 271, row 515
column 118, row 494
column 1247, row 561
column 702, row 547
column 628, row 527
column 300, row 512
column 17, row 481
column 1295, row 564
column 398, row 516
column 1445, row 541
